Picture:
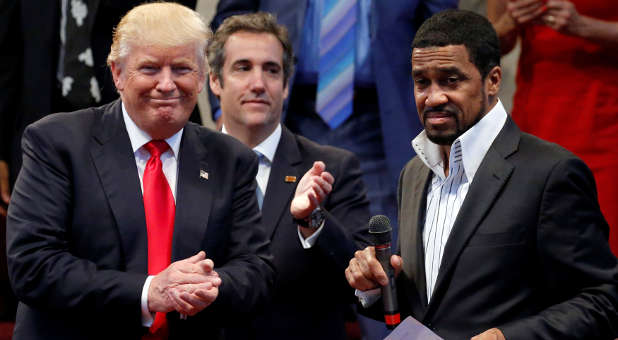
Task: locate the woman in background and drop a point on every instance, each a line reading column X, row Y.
column 567, row 81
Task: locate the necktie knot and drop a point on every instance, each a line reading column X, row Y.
column 156, row 147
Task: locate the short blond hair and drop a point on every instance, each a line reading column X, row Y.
column 164, row 24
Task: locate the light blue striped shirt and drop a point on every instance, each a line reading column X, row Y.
column 447, row 193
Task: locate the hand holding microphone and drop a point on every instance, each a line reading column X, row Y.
column 370, row 268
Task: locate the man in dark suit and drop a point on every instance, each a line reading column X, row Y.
column 127, row 221
column 31, row 40
column 501, row 235
column 251, row 61
column 383, row 117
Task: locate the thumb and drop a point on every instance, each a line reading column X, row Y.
column 317, row 168
column 197, row 257
column 397, row 264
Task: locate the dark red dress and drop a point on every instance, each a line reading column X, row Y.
column 567, row 93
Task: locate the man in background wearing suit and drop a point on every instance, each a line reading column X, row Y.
column 251, row 61
column 382, row 117
column 501, row 235
column 128, row 222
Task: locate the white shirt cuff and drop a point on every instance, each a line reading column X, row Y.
column 147, row 317
column 368, row 297
column 309, row 241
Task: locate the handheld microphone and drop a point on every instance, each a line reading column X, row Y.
column 380, row 232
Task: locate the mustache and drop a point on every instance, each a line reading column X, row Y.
column 445, row 108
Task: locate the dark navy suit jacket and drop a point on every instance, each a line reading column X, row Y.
column 311, row 293
column 76, row 230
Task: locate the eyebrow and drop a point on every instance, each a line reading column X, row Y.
column 448, row 70
column 247, row 61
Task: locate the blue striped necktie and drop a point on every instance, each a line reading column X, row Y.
column 263, row 161
column 336, row 70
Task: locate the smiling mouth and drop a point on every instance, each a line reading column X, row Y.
column 165, row 100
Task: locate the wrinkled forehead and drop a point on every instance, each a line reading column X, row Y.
column 439, row 57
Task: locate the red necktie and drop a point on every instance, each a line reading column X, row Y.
column 160, row 209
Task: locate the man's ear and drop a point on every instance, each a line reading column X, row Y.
column 116, row 69
column 215, row 84
column 493, row 81
column 286, row 91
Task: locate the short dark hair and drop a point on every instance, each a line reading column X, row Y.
column 461, row 27
column 260, row 22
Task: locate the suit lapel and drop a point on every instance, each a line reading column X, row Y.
column 114, row 161
column 411, row 230
column 279, row 192
column 492, row 175
column 193, row 195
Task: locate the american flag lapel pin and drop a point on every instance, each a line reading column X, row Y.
column 203, row 174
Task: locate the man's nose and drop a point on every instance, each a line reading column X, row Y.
column 435, row 96
column 166, row 82
column 257, row 81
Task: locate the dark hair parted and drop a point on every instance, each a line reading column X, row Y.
column 260, row 22
column 460, row 27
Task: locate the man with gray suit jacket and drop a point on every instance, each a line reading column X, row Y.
column 501, row 236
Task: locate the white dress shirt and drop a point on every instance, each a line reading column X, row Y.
column 169, row 160
column 447, row 193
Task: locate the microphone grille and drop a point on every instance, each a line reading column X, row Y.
column 379, row 224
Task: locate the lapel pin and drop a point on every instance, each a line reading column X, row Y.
column 203, row 174
column 290, row 179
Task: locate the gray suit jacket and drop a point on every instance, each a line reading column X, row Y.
column 528, row 252
column 76, row 231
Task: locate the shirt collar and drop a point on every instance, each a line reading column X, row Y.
column 474, row 143
column 140, row 137
column 268, row 146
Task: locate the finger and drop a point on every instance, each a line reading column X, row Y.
column 328, row 177
column 206, row 266
column 397, row 264
column 525, row 11
column 319, row 166
column 317, row 189
column 180, row 305
column 356, row 278
column 207, row 295
column 179, row 277
column 325, row 185
column 370, row 266
column 196, row 258
column 196, row 304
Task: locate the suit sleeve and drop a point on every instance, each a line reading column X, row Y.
column 345, row 229
column 43, row 271
column 577, row 266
